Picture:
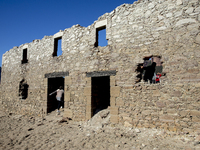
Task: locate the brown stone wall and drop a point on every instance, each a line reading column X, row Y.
column 166, row 28
column 169, row 106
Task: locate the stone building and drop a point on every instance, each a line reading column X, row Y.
column 111, row 75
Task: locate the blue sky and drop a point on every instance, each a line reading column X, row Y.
column 22, row 21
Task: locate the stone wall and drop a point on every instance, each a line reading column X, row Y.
column 147, row 27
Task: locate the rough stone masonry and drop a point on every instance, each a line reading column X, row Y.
column 169, row 29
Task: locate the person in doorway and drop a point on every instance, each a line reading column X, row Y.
column 59, row 94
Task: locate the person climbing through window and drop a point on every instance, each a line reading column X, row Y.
column 59, row 94
column 149, row 72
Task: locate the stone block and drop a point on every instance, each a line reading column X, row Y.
column 88, row 100
column 68, row 113
column 114, row 91
column 119, row 102
column 179, row 2
column 88, row 116
column 101, row 23
column 114, row 110
column 44, row 96
column 58, row 34
column 112, row 81
column 197, row 85
column 127, row 124
column 146, row 112
column 166, row 118
column 156, row 93
column 67, row 96
column 112, row 101
column 185, row 21
column 87, row 91
column 88, row 82
column 176, row 94
column 114, row 118
column 164, row 97
column 172, row 112
column 172, row 128
column 45, row 82
column 160, row 104
column 195, row 119
column 88, row 109
column 195, row 113
column 68, row 80
column 129, row 119
column 183, row 113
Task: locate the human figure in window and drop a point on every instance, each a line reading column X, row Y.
column 149, row 72
column 158, row 75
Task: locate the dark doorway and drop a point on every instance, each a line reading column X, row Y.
column 53, row 85
column 100, row 93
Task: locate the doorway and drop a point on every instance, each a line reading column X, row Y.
column 53, row 85
column 100, row 93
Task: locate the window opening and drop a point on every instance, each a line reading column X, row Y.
column 150, row 70
column 53, row 85
column 100, row 93
column 23, row 89
column 101, row 37
column 24, row 57
column 57, row 47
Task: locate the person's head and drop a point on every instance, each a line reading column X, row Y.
column 153, row 64
column 60, row 87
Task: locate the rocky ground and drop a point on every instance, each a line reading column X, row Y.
column 53, row 132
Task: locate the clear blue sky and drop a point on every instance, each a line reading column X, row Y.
column 22, row 21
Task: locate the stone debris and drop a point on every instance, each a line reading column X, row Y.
column 21, row 133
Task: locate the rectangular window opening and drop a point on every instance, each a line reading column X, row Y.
column 150, row 70
column 101, row 37
column 57, row 47
column 24, row 57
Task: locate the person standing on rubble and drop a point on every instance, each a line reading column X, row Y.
column 59, row 94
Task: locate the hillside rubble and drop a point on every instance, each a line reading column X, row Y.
column 54, row 132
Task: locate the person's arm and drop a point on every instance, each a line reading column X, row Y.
column 53, row 92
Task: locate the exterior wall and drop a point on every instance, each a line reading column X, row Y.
column 156, row 27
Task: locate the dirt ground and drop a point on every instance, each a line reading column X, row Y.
column 53, row 132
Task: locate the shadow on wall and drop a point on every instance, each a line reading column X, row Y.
column 150, row 70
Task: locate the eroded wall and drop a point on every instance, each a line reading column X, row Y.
column 166, row 28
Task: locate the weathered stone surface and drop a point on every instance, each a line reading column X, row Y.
column 160, row 104
column 179, row 2
column 185, row 21
column 115, row 91
column 166, row 118
column 198, row 38
column 176, row 94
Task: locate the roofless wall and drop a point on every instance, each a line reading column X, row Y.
column 146, row 29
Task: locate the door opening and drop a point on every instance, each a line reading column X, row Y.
column 53, row 85
column 100, row 93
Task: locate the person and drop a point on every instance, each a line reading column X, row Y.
column 149, row 72
column 59, row 94
column 158, row 75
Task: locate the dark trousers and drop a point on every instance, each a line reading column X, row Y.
column 59, row 103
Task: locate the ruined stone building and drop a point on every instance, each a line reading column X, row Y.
column 111, row 76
